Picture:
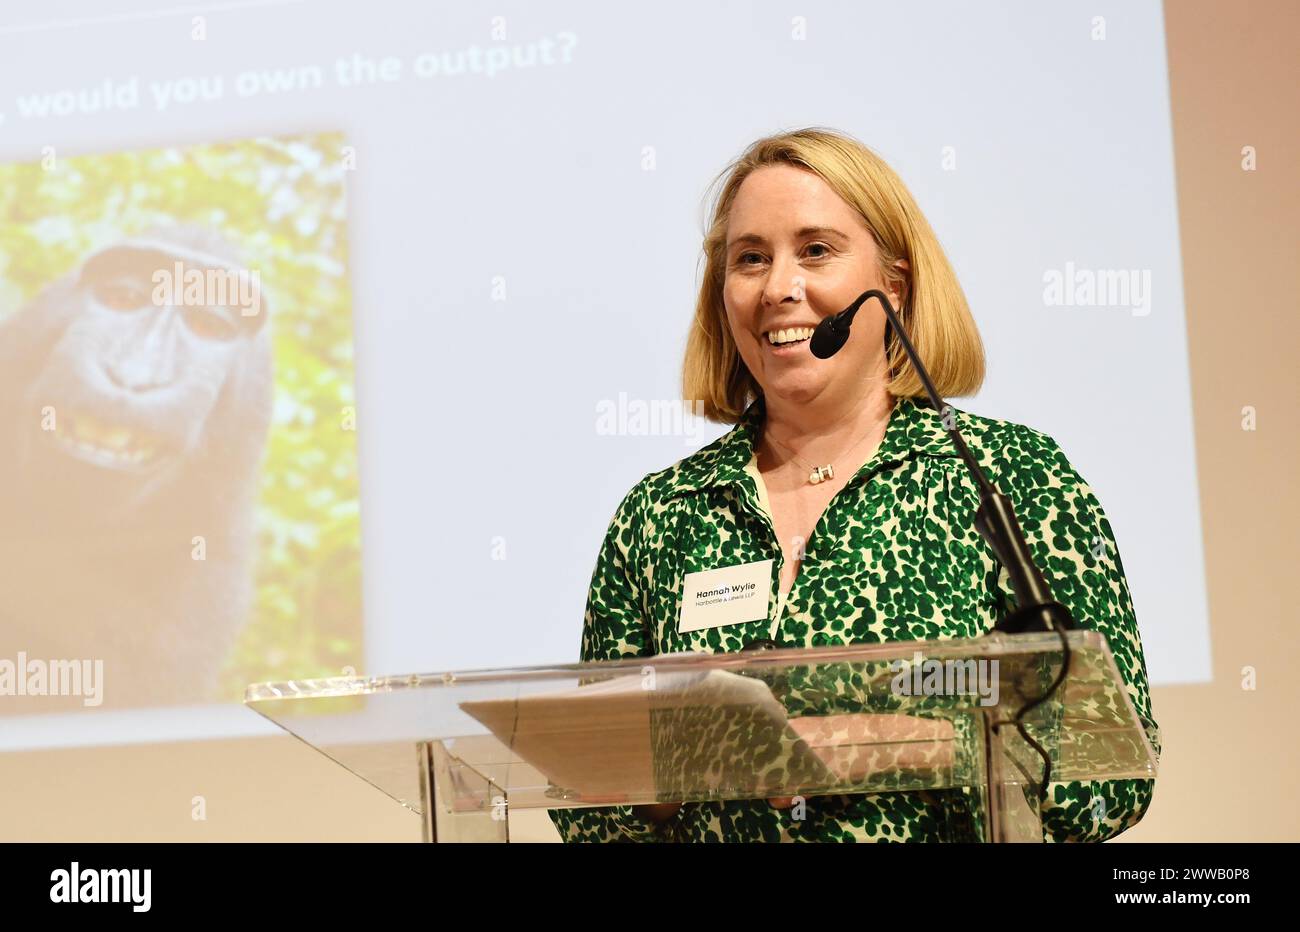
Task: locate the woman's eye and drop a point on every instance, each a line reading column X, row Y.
column 755, row 258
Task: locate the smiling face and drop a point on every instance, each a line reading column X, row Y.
column 796, row 253
column 151, row 392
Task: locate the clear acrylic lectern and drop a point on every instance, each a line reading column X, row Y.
column 464, row 749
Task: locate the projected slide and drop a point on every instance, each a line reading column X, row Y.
column 178, row 484
column 337, row 355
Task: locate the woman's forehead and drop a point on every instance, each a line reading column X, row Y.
column 785, row 198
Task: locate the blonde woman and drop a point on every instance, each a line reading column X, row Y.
column 840, row 472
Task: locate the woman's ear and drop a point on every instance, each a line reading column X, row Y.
column 899, row 286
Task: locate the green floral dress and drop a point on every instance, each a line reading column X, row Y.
column 895, row 557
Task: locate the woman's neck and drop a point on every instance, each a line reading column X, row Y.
column 821, row 430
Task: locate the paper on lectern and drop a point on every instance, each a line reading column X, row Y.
column 670, row 735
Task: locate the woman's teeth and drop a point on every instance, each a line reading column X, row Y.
column 793, row 335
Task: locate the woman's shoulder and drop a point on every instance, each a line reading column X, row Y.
column 716, row 461
column 1016, row 452
column 637, row 517
column 997, row 433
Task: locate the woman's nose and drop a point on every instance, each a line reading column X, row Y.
column 783, row 282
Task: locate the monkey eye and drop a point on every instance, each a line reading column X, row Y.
column 121, row 294
column 210, row 324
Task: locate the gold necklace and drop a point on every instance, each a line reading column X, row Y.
column 819, row 474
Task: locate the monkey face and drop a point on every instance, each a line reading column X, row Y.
column 158, row 339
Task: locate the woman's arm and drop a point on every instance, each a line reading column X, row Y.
column 614, row 627
column 1073, row 544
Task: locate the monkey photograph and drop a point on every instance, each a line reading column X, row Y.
column 178, row 471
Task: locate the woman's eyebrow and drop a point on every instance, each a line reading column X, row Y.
column 800, row 234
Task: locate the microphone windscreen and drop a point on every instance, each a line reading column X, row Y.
column 826, row 340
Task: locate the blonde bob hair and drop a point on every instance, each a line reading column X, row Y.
column 934, row 310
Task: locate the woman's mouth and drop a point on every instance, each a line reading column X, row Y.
column 788, row 341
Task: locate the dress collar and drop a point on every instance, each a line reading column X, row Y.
column 913, row 429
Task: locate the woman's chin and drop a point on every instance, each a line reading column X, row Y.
column 795, row 387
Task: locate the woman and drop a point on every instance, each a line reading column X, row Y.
column 841, row 472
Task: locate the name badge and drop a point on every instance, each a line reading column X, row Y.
column 729, row 595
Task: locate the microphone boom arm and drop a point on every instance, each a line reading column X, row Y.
column 1036, row 607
